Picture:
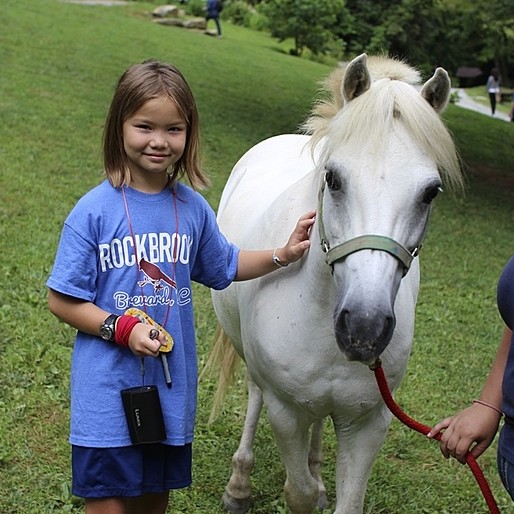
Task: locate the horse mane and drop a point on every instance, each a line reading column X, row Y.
column 393, row 97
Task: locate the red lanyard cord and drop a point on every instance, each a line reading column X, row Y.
column 136, row 253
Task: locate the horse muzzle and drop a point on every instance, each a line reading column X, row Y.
column 363, row 334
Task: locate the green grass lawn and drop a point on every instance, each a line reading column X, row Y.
column 60, row 62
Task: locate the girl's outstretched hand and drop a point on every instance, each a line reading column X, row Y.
column 256, row 263
column 299, row 239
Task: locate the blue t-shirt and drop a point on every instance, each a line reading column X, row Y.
column 505, row 296
column 177, row 240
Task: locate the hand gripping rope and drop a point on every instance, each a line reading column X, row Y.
column 424, row 429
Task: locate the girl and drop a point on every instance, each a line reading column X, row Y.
column 137, row 240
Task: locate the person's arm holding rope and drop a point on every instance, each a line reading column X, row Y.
column 479, row 422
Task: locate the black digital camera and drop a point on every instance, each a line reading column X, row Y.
column 143, row 411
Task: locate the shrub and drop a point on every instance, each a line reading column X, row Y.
column 196, row 7
column 238, row 12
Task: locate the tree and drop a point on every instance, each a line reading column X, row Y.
column 408, row 29
column 310, row 24
column 496, row 23
column 427, row 33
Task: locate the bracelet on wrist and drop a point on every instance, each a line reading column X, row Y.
column 277, row 261
column 124, row 326
column 485, row 404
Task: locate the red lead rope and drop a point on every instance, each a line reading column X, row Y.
column 424, row 429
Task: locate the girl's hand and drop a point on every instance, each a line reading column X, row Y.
column 142, row 343
column 257, row 263
column 298, row 241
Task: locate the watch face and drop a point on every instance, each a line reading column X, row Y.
column 107, row 328
column 106, row 332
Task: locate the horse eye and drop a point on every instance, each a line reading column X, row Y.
column 431, row 193
column 333, row 180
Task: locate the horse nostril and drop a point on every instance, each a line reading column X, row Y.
column 387, row 331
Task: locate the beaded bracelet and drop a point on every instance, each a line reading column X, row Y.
column 485, row 404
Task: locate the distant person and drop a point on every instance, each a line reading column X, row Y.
column 512, row 105
column 212, row 12
column 493, row 88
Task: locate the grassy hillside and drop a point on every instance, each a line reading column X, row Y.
column 60, row 62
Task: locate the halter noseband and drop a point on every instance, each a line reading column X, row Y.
column 366, row 242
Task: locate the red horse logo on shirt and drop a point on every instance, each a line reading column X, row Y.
column 153, row 275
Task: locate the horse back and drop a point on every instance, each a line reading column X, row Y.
column 260, row 179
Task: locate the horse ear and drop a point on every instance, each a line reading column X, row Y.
column 356, row 78
column 436, row 90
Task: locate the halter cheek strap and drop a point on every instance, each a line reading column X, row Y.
column 365, row 242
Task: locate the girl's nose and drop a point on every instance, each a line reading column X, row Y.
column 158, row 141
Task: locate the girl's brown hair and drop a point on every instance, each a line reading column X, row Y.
column 139, row 84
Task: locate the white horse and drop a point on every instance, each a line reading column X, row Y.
column 374, row 162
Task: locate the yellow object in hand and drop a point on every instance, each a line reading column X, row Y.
column 144, row 318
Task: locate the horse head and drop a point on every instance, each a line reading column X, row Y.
column 385, row 153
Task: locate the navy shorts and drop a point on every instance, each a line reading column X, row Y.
column 129, row 470
column 506, row 470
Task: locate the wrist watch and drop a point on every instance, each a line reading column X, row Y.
column 107, row 327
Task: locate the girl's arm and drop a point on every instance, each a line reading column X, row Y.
column 82, row 315
column 87, row 317
column 256, row 263
column 478, row 423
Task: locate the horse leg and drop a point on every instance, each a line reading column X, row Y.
column 237, row 496
column 358, row 446
column 292, row 438
column 316, row 461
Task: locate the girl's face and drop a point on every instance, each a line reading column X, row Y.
column 154, row 138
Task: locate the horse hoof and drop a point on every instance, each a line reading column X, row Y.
column 322, row 501
column 236, row 505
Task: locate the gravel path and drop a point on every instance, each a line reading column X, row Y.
column 466, row 102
